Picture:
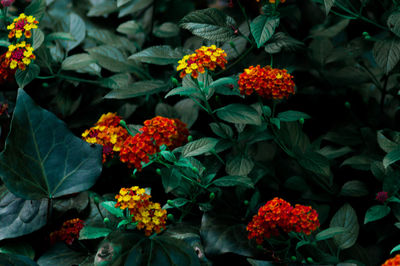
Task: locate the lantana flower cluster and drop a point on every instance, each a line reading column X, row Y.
column 20, row 53
column 203, row 58
column 395, row 261
column 108, row 133
column 268, row 82
column 6, row 74
column 148, row 215
column 279, row 215
column 69, row 231
column 156, row 132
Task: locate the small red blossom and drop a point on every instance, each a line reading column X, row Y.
column 268, row 82
column 69, row 231
column 7, row 3
column 277, row 214
column 6, row 73
column 395, row 261
column 381, row 196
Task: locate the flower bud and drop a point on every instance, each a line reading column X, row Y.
column 212, row 196
column 347, row 104
column 293, row 258
column 170, row 202
column 96, row 200
column 45, row 85
column 158, row 171
column 170, row 217
column 106, row 221
column 365, row 33
column 174, row 81
column 368, row 37
column 190, row 138
column 246, row 202
column 310, row 260
column 301, row 121
column 122, row 123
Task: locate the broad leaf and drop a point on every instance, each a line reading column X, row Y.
column 42, row 158
column 25, row 77
column 211, row 24
column 130, row 27
column 346, row 217
column 110, row 206
column 354, row 188
column 199, row 147
column 36, row 9
column 18, row 248
column 74, row 25
column 89, row 232
column 328, row 5
column 239, row 114
column 137, row 89
column 262, row 28
column 166, row 30
column 19, row 217
column 37, row 38
column 239, row 165
column 291, row 116
column 17, row 260
column 376, row 212
column 329, row 233
column 391, row 157
column 159, row 55
column 387, row 53
column 393, row 22
column 232, row 181
column 111, row 58
column 280, row 41
column 77, row 61
column 222, row 130
column 60, row 254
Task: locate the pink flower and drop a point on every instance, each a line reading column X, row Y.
column 381, row 196
column 7, row 3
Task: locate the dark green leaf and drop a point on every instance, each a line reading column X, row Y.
column 346, row 217
column 137, row 89
column 42, row 158
column 60, row 254
column 25, row 77
column 16, row 260
column 130, row 27
column 159, row 55
column 77, row 61
column 171, row 178
column 89, row 232
column 36, row 9
column 387, row 53
column 393, row 22
column 281, row 41
column 182, row 91
column 395, row 249
column 65, row 36
column 359, row 162
column 391, row 182
column 211, row 24
column 376, row 212
column 239, row 166
column 291, row 116
column 37, row 38
column 315, row 162
column 354, row 188
column 187, row 111
column 328, row 5
column 176, row 203
column 329, row 233
column 239, row 114
column 262, row 28
column 18, row 248
column 232, row 181
column 391, row 157
column 74, row 25
column 384, row 142
column 110, row 207
column 111, row 58
column 199, row 147
column 222, row 130
column 166, row 30
column 19, row 217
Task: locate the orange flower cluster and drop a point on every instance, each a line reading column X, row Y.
column 148, row 215
column 204, row 57
column 278, row 214
column 108, row 133
column 22, row 26
column 155, row 133
column 267, row 82
column 69, row 231
column 273, row 1
column 395, row 261
column 6, row 74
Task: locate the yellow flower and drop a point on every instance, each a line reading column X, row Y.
column 13, row 64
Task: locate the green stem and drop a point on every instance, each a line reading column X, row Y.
column 68, row 78
column 237, row 60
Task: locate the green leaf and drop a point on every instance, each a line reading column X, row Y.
column 222, row 130
column 166, row 30
column 211, row 24
column 320, row 49
column 260, row 262
column 36, row 9
column 17, row 260
column 395, row 249
column 199, row 147
column 137, row 89
column 282, row 42
column 328, row 5
column 159, row 55
column 262, row 28
column 239, row 166
column 103, row 8
column 384, row 142
column 393, row 22
column 77, row 61
column 169, row 156
column 291, row 116
column 74, row 25
column 64, row 36
column 171, row 178
column 376, row 212
column 37, row 38
column 117, row 81
column 329, row 233
column 239, row 114
column 187, row 111
column 176, row 203
column 42, row 158
column 19, row 217
column 60, row 254
column 130, row 27
column 89, row 232
column 222, row 235
column 77, row 203
column 391, row 157
column 182, row 91
column 18, row 248
column 314, row 162
column 346, row 217
column 359, row 162
column 232, row 181
column 110, row 206
column 391, row 182
column 223, row 82
column 4, row 43
column 387, row 53
column 354, row 188
column 25, row 77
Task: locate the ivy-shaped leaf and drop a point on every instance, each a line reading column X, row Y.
column 42, row 158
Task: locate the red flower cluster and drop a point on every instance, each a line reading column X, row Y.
column 204, row 57
column 267, row 82
column 146, row 213
column 6, row 74
column 69, row 231
column 279, row 214
column 108, row 133
column 395, row 261
column 155, row 133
